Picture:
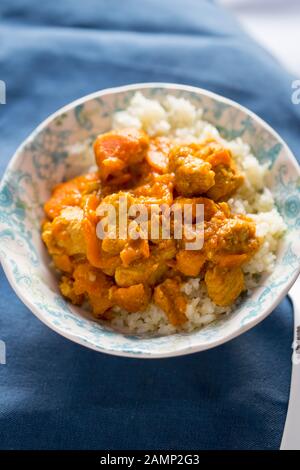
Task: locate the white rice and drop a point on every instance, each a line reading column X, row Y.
column 179, row 118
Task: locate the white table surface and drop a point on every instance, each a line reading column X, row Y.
column 273, row 23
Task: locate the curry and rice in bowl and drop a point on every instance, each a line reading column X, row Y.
column 163, row 152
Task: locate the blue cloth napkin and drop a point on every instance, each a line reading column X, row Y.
column 55, row 394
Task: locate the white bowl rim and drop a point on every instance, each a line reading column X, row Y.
column 186, row 349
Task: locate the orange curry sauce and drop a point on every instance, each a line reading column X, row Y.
column 132, row 273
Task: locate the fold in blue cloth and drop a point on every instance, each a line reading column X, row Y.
column 57, row 395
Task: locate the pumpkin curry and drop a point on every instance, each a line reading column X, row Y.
column 130, row 273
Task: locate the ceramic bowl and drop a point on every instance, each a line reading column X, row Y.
column 58, row 149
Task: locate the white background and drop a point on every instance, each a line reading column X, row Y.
column 275, row 24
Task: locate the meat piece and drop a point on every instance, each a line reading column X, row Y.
column 113, row 246
column 227, row 181
column 64, row 236
column 116, row 150
column 190, row 262
column 70, row 193
column 95, row 254
column 224, row 285
column 67, row 289
column 228, row 260
column 134, row 250
column 115, row 270
column 164, row 250
column 158, row 191
column 209, row 206
column 94, row 285
column 135, row 298
column 63, row 263
column 206, row 149
column 148, row 272
column 173, row 302
column 227, row 178
column 114, row 200
column 230, row 241
column 193, row 176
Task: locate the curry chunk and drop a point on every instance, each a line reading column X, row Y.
column 168, row 297
column 209, row 206
column 190, row 262
column 164, row 250
column 96, row 255
column 227, row 181
column 158, row 154
column 67, row 289
column 64, row 234
column 134, row 250
column 158, row 191
column 113, row 246
column 63, row 263
column 224, row 285
column 134, row 298
column 91, row 220
column 71, row 193
column 193, row 176
column 231, row 236
column 116, row 150
column 148, row 271
column 239, row 235
column 94, row 285
column 227, row 178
